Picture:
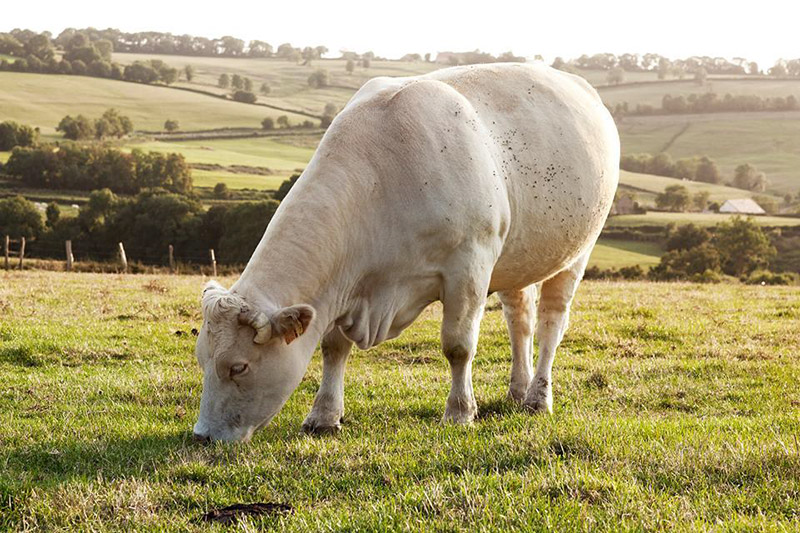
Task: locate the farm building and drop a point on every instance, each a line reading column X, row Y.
column 742, row 206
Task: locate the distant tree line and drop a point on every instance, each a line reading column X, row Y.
column 708, row 103
column 82, row 57
column 78, row 167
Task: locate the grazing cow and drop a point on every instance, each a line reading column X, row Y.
column 447, row 186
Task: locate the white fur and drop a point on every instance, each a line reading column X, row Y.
column 438, row 187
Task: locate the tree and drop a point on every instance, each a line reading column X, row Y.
column 700, row 200
column 685, row 263
column 113, row 124
column 366, row 61
column 707, row 171
column 52, row 214
column 265, row 89
column 13, row 134
column 105, row 48
column 237, row 82
column 616, row 76
column 743, row 246
column 171, row 125
column 674, row 198
column 700, row 76
column 748, row 177
column 428, row 57
column 350, row 66
column 318, row 79
column 285, row 187
column 753, row 68
column 76, row 129
column 188, row 71
column 244, row 225
column 221, row 191
column 19, row 218
column 686, row 237
column 248, row 85
column 268, row 124
column 224, row 81
column 283, row 121
column 245, row 96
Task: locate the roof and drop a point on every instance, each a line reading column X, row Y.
column 742, row 205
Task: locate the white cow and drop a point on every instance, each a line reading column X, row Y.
column 448, row 187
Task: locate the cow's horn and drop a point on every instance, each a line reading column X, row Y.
column 259, row 322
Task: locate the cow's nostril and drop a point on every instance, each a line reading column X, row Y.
column 202, row 439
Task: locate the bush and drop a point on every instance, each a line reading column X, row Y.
column 285, row 187
column 319, row 78
column 267, row 124
column 221, row 191
column 245, row 96
column 765, row 277
column 743, row 246
column 686, row 237
column 171, row 125
column 683, row 264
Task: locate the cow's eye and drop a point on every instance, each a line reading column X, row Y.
column 238, row 369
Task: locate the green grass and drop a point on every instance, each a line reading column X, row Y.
column 4, row 156
column 676, row 408
column 653, row 218
column 209, row 178
column 613, row 253
column 772, row 145
column 43, row 100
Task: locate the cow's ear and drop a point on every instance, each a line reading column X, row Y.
column 291, row 322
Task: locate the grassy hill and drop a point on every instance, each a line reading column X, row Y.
column 613, row 253
column 644, row 187
column 44, row 99
column 676, row 407
column 771, row 143
column 288, row 80
column 654, row 218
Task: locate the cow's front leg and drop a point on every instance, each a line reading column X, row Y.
column 326, row 415
column 463, row 301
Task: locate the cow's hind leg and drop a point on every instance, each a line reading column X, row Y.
column 463, row 299
column 519, row 313
column 552, row 320
column 326, row 415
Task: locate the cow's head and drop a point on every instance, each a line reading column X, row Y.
column 252, row 360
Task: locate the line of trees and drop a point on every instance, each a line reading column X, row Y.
column 708, row 103
column 77, row 167
column 13, row 134
column 147, row 223
column 703, row 169
column 110, row 124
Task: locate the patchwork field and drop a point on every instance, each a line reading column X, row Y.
column 613, row 253
column 676, row 409
column 654, row 218
column 42, row 100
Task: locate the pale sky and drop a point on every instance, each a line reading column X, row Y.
column 763, row 31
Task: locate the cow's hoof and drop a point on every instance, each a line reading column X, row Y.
column 538, row 405
column 516, row 395
column 313, row 429
column 461, row 415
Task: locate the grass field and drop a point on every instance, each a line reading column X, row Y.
column 646, row 186
column 43, row 100
column 288, row 80
column 652, row 93
column 613, row 253
column 654, row 218
column 772, row 145
column 676, row 408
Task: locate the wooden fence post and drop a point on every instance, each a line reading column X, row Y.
column 5, row 248
column 213, row 261
column 171, row 260
column 70, row 259
column 123, row 258
column 21, row 251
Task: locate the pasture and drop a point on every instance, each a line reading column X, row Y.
column 656, row 218
column 614, row 253
column 44, row 99
column 676, row 408
column 770, row 141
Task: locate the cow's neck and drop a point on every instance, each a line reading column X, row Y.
column 302, row 256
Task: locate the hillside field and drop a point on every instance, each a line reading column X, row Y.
column 655, row 218
column 614, row 253
column 42, row 100
column 771, row 144
column 676, row 409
